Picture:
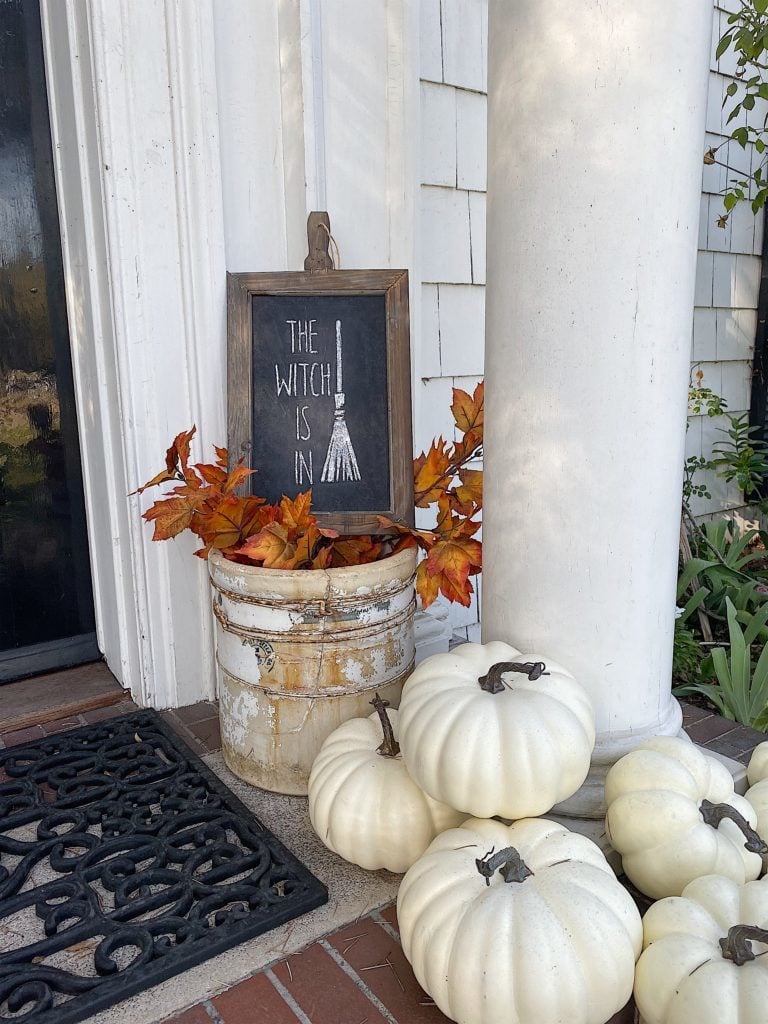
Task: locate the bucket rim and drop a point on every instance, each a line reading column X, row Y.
column 311, row 583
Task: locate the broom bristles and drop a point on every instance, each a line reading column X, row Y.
column 340, row 462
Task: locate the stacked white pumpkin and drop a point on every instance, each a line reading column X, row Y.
column 688, row 840
column 503, row 924
column 757, row 794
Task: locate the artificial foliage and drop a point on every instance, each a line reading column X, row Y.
column 209, row 500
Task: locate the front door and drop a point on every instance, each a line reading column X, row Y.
column 46, row 598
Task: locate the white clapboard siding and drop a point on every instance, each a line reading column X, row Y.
column 727, row 280
column 453, row 48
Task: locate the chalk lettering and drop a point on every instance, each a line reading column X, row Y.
column 323, row 370
column 302, row 424
column 302, row 464
column 302, row 380
column 293, row 334
column 306, row 334
column 303, row 335
column 288, row 385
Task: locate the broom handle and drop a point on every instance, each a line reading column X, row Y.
column 339, row 384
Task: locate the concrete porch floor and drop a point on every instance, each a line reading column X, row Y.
column 340, row 964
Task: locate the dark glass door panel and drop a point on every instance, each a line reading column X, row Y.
column 46, row 599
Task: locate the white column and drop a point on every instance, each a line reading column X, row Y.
column 135, row 128
column 596, row 128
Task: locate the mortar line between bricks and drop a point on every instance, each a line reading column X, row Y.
column 382, row 922
column 357, row 980
column 212, row 1012
column 287, row 997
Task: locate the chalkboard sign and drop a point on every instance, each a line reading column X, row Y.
column 319, row 391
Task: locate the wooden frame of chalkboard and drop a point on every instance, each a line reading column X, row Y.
column 300, row 420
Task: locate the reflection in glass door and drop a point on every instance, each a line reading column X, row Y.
column 46, row 600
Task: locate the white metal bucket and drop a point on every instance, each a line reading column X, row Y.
column 301, row 651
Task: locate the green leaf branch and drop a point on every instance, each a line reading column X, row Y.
column 747, row 37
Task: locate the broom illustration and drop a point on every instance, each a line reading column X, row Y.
column 340, row 462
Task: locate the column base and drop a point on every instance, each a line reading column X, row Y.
column 432, row 631
column 588, row 803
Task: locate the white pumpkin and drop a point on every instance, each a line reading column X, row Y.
column 550, row 938
column 364, row 805
column 658, row 818
column 757, row 794
column 514, row 748
column 685, row 976
column 757, row 770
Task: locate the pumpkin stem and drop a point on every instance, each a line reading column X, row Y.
column 736, row 945
column 389, row 747
column 713, row 814
column 508, row 862
column 492, row 682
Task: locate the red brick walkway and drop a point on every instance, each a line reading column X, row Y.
column 355, row 975
column 358, row 975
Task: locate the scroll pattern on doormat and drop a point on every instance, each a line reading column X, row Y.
column 123, row 861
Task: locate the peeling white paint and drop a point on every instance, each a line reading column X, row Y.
column 240, row 709
column 322, row 669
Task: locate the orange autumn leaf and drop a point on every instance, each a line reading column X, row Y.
column 453, row 560
column 427, row 586
column 309, row 544
column 171, row 516
column 468, row 448
column 222, row 456
column 444, row 523
column 355, row 550
column 471, row 489
column 403, row 543
column 162, row 477
column 430, row 474
column 176, row 459
column 468, row 411
column 460, row 508
column 271, row 547
column 322, row 559
column 214, row 475
column 457, row 528
column 296, row 514
column 232, row 520
column 236, row 477
column 178, row 453
column 460, row 593
column 424, row 538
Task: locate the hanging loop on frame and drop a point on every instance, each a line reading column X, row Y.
column 318, row 239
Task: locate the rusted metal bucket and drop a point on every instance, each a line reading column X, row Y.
column 301, row 651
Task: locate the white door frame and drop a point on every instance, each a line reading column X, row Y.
column 138, row 155
column 132, row 89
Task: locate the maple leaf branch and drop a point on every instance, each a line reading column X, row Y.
column 450, row 472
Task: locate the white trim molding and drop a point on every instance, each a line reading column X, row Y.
column 132, row 93
column 180, row 126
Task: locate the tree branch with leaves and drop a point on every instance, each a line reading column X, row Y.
column 747, row 36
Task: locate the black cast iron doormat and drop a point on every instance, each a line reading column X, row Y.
column 124, row 861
